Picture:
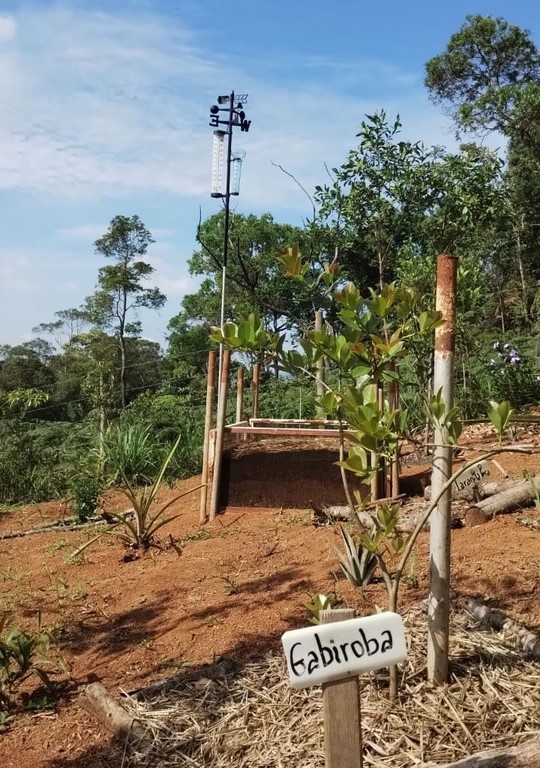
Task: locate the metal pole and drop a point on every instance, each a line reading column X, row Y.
column 226, row 228
column 443, row 381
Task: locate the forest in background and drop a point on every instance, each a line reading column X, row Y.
column 90, row 385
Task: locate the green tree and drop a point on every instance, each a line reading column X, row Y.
column 120, row 289
column 68, row 324
column 395, row 204
column 26, row 366
column 254, row 279
column 187, row 353
column 489, row 77
column 376, row 200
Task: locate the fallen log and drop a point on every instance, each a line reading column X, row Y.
column 525, row 755
column 519, row 495
column 57, row 527
column 516, row 633
column 66, row 525
column 329, row 513
column 408, row 519
column 467, row 494
column 96, row 700
column 490, row 489
column 477, row 492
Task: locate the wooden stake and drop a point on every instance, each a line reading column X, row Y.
column 220, row 429
column 319, row 377
column 210, row 392
column 239, row 394
column 393, row 402
column 255, row 390
column 443, row 381
column 342, row 717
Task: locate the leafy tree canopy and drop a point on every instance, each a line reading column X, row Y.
column 254, row 277
column 489, row 77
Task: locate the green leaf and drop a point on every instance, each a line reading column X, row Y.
column 500, row 414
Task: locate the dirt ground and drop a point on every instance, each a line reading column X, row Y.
column 237, row 585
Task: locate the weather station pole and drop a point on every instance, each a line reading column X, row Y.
column 232, row 106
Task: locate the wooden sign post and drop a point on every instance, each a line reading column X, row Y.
column 341, row 711
column 333, row 654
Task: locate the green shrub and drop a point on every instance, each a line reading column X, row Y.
column 85, row 490
column 132, row 451
column 165, row 416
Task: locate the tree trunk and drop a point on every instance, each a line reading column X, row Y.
column 526, row 755
column 519, row 229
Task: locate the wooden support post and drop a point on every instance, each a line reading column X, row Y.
column 211, row 457
column 342, row 717
column 220, row 430
column 239, row 394
column 441, row 517
column 393, row 402
column 210, row 392
column 255, row 390
column 319, row 377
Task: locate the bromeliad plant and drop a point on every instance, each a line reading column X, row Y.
column 358, row 561
column 141, row 523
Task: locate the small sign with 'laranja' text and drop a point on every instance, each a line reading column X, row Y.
column 472, row 476
column 327, row 652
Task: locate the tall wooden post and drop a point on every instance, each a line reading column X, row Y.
column 393, row 402
column 319, row 376
column 255, row 390
column 220, row 430
column 239, row 393
column 443, row 381
column 210, row 391
column 341, row 705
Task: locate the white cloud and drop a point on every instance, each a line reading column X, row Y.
column 8, row 27
column 107, row 104
column 174, row 287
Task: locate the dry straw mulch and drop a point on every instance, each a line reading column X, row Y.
column 249, row 717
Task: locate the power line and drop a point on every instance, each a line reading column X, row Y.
column 116, row 370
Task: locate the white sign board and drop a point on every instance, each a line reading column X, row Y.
column 472, row 477
column 328, row 652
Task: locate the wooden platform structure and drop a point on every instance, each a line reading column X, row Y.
column 230, row 447
column 284, row 427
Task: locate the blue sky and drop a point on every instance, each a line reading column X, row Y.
column 104, row 111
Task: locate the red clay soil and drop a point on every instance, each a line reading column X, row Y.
column 237, row 585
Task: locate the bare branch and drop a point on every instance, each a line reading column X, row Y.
column 304, row 190
column 201, row 242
